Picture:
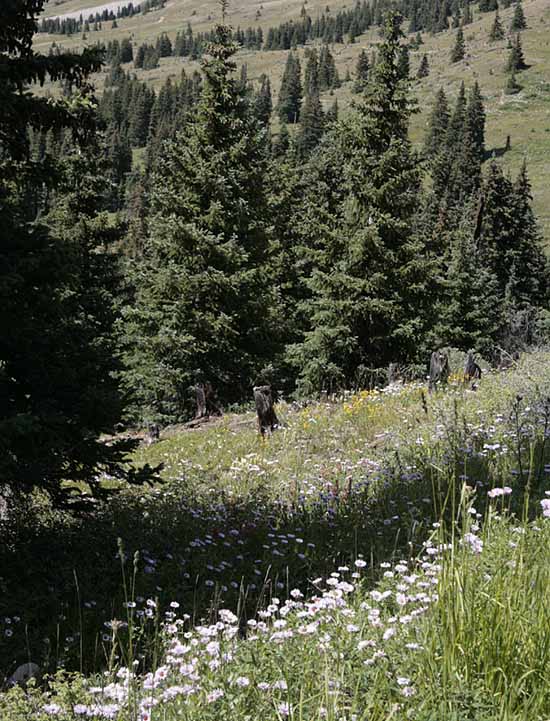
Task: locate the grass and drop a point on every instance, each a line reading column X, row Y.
column 524, row 117
column 239, row 523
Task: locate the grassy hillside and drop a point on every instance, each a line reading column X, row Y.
column 376, row 555
column 524, row 117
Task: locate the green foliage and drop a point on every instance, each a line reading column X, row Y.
column 290, row 92
column 516, row 60
column 497, row 31
column 204, row 307
column 362, row 70
column 368, row 268
column 58, row 278
column 518, row 19
column 459, row 49
column 424, row 68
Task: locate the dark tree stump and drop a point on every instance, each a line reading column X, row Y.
column 207, row 401
column 472, row 371
column 439, row 370
column 267, row 418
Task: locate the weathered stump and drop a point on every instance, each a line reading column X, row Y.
column 472, row 371
column 207, row 401
column 439, row 369
column 267, row 418
column 393, row 373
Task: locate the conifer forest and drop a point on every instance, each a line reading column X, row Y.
column 274, row 360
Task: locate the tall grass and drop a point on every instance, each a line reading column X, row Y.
column 249, row 526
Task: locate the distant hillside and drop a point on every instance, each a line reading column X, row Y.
column 525, row 117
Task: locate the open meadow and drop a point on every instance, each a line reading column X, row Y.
column 382, row 555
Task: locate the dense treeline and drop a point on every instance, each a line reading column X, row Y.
column 71, row 26
column 310, row 260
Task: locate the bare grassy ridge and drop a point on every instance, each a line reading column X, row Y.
column 524, row 117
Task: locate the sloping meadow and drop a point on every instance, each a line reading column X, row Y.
column 376, row 557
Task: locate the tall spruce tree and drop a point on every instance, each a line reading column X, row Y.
column 362, row 69
column 204, row 307
column 367, row 277
column 312, row 124
column 57, row 392
column 424, row 68
column 290, row 93
column 470, row 310
column 438, row 124
column 516, row 60
column 518, row 19
column 497, row 31
column 404, row 63
column 459, row 49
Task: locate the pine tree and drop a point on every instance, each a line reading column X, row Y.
column 516, row 60
column 475, row 121
column 438, row 124
column 403, row 62
column 459, row 49
column 312, row 124
column 328, row 75
column 497, row 31
column 203, row 308
column 467, row 17
column 57, row 387
column 263, row 101
column 487, row 6
column 281, row 145
column 331, row 115
column 518, row 19
column 365, row 284
column 456, row 121
column 424, row 68
column 469, row 313
column 311, row 78
column 290, row 93
column 361, row 72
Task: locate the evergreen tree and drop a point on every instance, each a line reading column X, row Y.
column 456, row 121
column 365, row 284
column 281, row 146
column 487, row 6
column 424, row 68
column 312, row 71
column 475, row 121
column 361, row 72
column 312, row 124
column 459, row 48
column 290, row 93
column 518, row 19
column 516, row 60
column 57, row 390
column 331, row 115
column 467, row 17
column 203, row 310
column 438, row 124
column 469, row 314
column 263, row 101
column 497, row 31
column 403, row 63
column 328, row 75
